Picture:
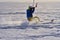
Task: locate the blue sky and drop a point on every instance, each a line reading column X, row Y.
column 29, row 0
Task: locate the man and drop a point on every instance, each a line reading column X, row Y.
column 30, row 12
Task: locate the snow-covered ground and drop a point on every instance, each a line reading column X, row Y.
column 14, row 25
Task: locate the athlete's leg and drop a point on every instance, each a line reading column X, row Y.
column 30, row 19
column 37, row 18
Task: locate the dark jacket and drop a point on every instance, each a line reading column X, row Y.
column 30, row 12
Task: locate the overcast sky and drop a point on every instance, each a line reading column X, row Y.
column 29, row 0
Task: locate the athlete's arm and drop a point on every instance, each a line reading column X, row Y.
column 36, row 5
column 33, row 8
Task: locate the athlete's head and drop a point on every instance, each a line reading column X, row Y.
column 30, row 7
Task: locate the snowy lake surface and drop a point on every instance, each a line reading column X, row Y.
column 14, row 24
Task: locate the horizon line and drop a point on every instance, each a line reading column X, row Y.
column 35, row 2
